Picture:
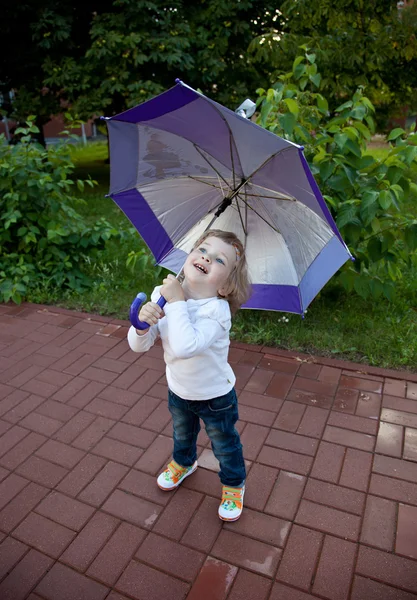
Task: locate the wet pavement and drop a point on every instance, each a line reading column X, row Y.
column 330, row 446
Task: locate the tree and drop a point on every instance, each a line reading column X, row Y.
column 360, row 42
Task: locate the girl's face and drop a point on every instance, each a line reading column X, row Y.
column 208, row 267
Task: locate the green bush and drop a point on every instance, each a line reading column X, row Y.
column 371, row 200
column 43, row 239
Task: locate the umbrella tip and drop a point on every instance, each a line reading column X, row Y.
column 178, row 80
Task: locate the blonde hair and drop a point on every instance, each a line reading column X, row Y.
column 237, row 287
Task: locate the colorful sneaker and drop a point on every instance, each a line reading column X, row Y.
column 174, row 475
column 231, row 505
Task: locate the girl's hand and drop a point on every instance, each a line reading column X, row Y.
column 150, row 313
column 171, row 289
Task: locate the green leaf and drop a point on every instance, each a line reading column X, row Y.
column 311, row 58
column 326, row 169
column 322, row 104
column 287, row 122
column 342, row 107
column 410, row 236
column 385, row 199
column 347, row 214
column 361, row 286
column 299, row 71
column 292, row 106
column 395, row 133
column 353, row 147
column 316, row 79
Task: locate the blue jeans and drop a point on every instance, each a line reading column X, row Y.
column 219, row 416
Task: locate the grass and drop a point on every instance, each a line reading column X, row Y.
column 337, row 324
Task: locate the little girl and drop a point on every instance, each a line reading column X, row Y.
column 194, row 329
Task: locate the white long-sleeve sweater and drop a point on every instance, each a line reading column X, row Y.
column 195, row 338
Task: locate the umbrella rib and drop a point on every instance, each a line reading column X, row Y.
column 259, row 215
column 218, row 187
column 272, row 197
column 208, row 162
column 240, row 216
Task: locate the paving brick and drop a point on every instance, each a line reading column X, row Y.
column 141, row 410
column 132, row 509
column 116, row 554
column 25, row 576
column 260, row 401
column 145, row 381
column 282, row 459
column 412, row 390
column 313, row 422
column 292, row 442
column 10, row 487
column 64, row 510
column 11, row 438
column 81, row 475
column 259, row 483
column 309, row 371
column 335, row 496
column 399, row 418
column 41, row 424
column 61, row 454
column 174, row 520
column 279, row 363
column 143, row 485
column 159, row 419
column 378, row 528
column 22, row 450
column 354, row 423
column 21, row 505
column 42, row 471
column 41, row 388
column 259, row 381
column 318, row 387
column 204, row 527
column 243, row 374
column 54, row 377
column 129, row 377
column 256, row 415
column 93, row 433
column 45, row 535
column 102, row 485
column 387, row 568
column 24, row 375
column 248, row 586
column 11, row 551
column 361, row 384
column 280, row 591
column 335, row 569
column 406, row 538
column 373, row 590
column 410, row 444
column 24, row 408
column 4, row 427
column 103, row 408
column 70, row 389
column 369, row 405
column 310, row 398
column 395, row 403
column 290, row 416
column 329, row 374
column 346, row 400
column 265, row 528
column 84, row 396
column 329, row 520
column 3, row 473
column 213, row 581
column 286, row 494
column 252, row 440
column 390, row 439
column 89, row 541
column 155, row 456
column 12, row 400
column 394, row 467
column 120, row 396
column 395, row 489
column 74, row 427
column 247, row 553
column 130, row 434
column 361, row 441
column 118, row 451
column 356, row 469
column 57, row 410
column 279, row 385
column 62, row 583
column 303, row 548
column 394, row 387
column 171, row 557
column 140, row 581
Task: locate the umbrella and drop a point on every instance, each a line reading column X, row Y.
column 180, row 163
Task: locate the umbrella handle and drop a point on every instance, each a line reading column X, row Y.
column 135, row 307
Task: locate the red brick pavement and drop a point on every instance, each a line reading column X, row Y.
column 331, row 450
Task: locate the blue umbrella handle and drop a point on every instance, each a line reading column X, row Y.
column 135, row 307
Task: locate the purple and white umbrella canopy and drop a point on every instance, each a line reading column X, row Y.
column 178, row 158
